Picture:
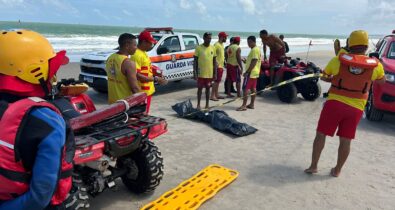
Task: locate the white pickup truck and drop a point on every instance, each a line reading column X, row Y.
column 173, row 55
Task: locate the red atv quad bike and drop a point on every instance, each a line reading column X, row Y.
column 309, row 87
column 113, row 142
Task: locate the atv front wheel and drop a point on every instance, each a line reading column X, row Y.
column 311, row 91
column 144, row 168
column 372, row 113
column 287, row 93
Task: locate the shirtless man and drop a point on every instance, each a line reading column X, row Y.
column 277, row 50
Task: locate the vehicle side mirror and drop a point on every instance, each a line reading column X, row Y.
column 374, row 54
column 163, row 50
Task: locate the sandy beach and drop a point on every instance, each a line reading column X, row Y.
column 271, row 161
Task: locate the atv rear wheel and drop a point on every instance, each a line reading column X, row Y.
column 372, row 113
column 145, row 168
column 287, row 93
column 311, row 91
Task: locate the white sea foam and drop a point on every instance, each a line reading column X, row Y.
column 78, row 45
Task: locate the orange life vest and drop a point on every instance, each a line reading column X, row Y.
column 355, row 76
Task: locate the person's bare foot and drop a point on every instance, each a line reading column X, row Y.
column 207, row 108
column 230, row 96
column 311, row 170
column 198, row 108
column 250, row 106
column 335, row 172
column 220, row 97
column 214, row 99
column 242, row 108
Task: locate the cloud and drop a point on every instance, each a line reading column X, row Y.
column 185, row 4
column 11, row 3
column 248, row 6
column 201, row 8
column 278, row 6
column 124, row 11
column 100, row 13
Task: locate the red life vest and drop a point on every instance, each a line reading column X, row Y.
column 355, row 76
column 14, row 178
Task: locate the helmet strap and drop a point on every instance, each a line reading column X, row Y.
column 44, row 87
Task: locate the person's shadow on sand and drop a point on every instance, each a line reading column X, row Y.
column 275, row 175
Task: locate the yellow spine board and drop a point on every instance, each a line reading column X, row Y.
column 193, row 192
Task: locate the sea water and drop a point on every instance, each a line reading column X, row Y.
column 79, row 39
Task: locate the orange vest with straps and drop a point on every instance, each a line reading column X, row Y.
column 355, row 76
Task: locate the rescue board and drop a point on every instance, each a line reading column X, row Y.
column 192, row 193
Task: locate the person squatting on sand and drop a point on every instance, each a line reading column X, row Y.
column 253, row 66
column 204, row 68
column 277, row 50
column 145, row 75
column 220, row 52
column 351, row 75
column 234, row 67
column 121, row 72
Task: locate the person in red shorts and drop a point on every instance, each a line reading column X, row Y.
column 220, row 51
column 253, row 66
column 204, row 68
column 277, row 50
column 351, row 75
column 234, row 67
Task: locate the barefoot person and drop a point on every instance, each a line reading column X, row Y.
column 277, row 50
column 220, row 51
column 253, row 66
column 351, row 75
column 204, row 68
column 232, row 88
column 233, row 67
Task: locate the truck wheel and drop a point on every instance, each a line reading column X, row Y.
column 311, row 91
column 371, row 112
column 287, row 93
column 144, row 168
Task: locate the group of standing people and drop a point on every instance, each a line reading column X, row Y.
column 210, row 60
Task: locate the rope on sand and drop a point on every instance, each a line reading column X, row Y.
column 261, row 91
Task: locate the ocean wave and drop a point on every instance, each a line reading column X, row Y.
column 77, row 45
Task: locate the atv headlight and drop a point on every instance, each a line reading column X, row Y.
column 390, row 77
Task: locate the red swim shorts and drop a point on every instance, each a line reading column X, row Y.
column 340, row 116
column 204, row 82
column 275, row 56
column 220, row 72
column 249, row 83
column 148, row 101
column 232, row 73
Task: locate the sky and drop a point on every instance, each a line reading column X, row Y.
column 335, row 17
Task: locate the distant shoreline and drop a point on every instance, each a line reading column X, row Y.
column 176, row 29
